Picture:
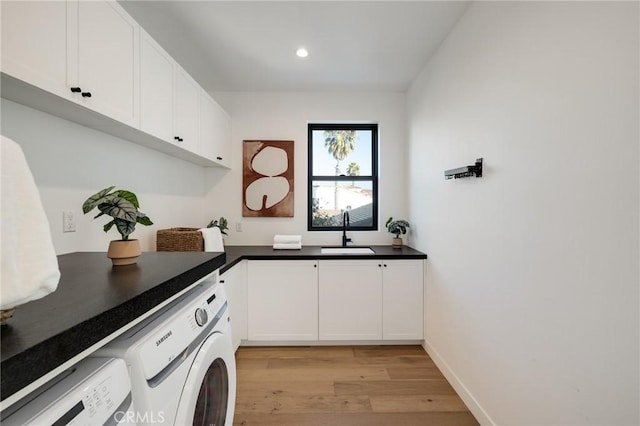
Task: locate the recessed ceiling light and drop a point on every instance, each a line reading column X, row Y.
column 302, row 52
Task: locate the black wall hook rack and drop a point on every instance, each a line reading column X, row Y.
column 467, row 171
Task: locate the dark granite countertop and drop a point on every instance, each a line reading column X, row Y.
column 93, row 300
column 237, row 253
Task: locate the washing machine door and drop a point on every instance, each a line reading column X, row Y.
column 209, row 392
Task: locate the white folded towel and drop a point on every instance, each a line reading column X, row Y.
column 212, row 239
column 287, row 246
column 287, row 239
column 29, row 263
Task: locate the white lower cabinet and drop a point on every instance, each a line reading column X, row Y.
column 403, row 299
column 282, row 300
column 235, row 286
column 332, row 300
column 350, row 300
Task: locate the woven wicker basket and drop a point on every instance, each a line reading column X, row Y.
column 179, row 239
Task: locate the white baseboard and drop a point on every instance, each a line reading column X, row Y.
column 462, row 391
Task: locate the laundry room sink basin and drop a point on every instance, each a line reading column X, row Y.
column 346, row 250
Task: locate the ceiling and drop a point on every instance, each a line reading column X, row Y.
column 250, row 45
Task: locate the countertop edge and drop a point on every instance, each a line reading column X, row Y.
column 234, row 257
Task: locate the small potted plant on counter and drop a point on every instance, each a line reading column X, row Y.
column 221, row 223
column 397, row 227
column 122, row 206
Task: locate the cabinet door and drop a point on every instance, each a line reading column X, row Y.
column 350, row 300
column 403, row 299
column 34, row 43
column 235, row 285
column 282, row 300
column 215, row 131
column 108, row 60
column 186, row 110
column 156, row 89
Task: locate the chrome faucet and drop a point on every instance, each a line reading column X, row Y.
column 345, row 226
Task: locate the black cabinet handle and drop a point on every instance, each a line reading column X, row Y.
column 315, row 266
column 385, row 265
column 221, row 281
column 379, row 266
column 86, row 94
column 219, row 158
column 76, row 89
column 181, row 139
column 178, row 138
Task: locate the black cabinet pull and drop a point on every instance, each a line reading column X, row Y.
column 219, row 158
column 180, row 139
column 221, row 281
column 379, row 266
column 385, row 265
column 76, row 89
column 86, row 94
column 315, row 266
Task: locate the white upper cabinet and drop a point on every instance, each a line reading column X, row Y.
column 83, row 51
column 34, row 43
column 186, row 109
column 92, row 53
column 215, row 131
column 156, row 89
column 108, row 71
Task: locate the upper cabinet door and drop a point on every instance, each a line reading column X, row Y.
column 215, row 131
column 186, row 110
column 156, row 89
column 34, row 43
column 108, row 60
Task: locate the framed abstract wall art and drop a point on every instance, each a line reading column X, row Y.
column 267, row 178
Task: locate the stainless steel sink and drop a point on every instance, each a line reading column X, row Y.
column 346, row 250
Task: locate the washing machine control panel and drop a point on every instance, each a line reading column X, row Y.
column 176, row 335
column 92, row 393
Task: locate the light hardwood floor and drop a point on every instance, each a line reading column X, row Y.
column 344, row 385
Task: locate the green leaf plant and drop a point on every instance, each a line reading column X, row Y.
column 221, row 223
column 122, row 206
column 397, row 227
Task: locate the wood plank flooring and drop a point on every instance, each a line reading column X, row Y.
column 344, row 385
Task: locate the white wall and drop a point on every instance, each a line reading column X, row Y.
column 284, row 116
column 532, row 286
column 71, row 162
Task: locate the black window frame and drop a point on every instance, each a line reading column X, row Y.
column 373, row 127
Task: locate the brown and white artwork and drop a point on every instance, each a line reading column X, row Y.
column 267, row 179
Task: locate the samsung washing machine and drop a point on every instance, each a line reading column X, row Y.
column 95, row 391
column 181, row 361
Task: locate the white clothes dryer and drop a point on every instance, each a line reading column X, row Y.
column 95, row 391
column 181, row 361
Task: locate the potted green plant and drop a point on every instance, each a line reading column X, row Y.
column 122, row 206
column 397, row 227
column 221, row 223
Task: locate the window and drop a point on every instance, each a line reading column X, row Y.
column 343, row 176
